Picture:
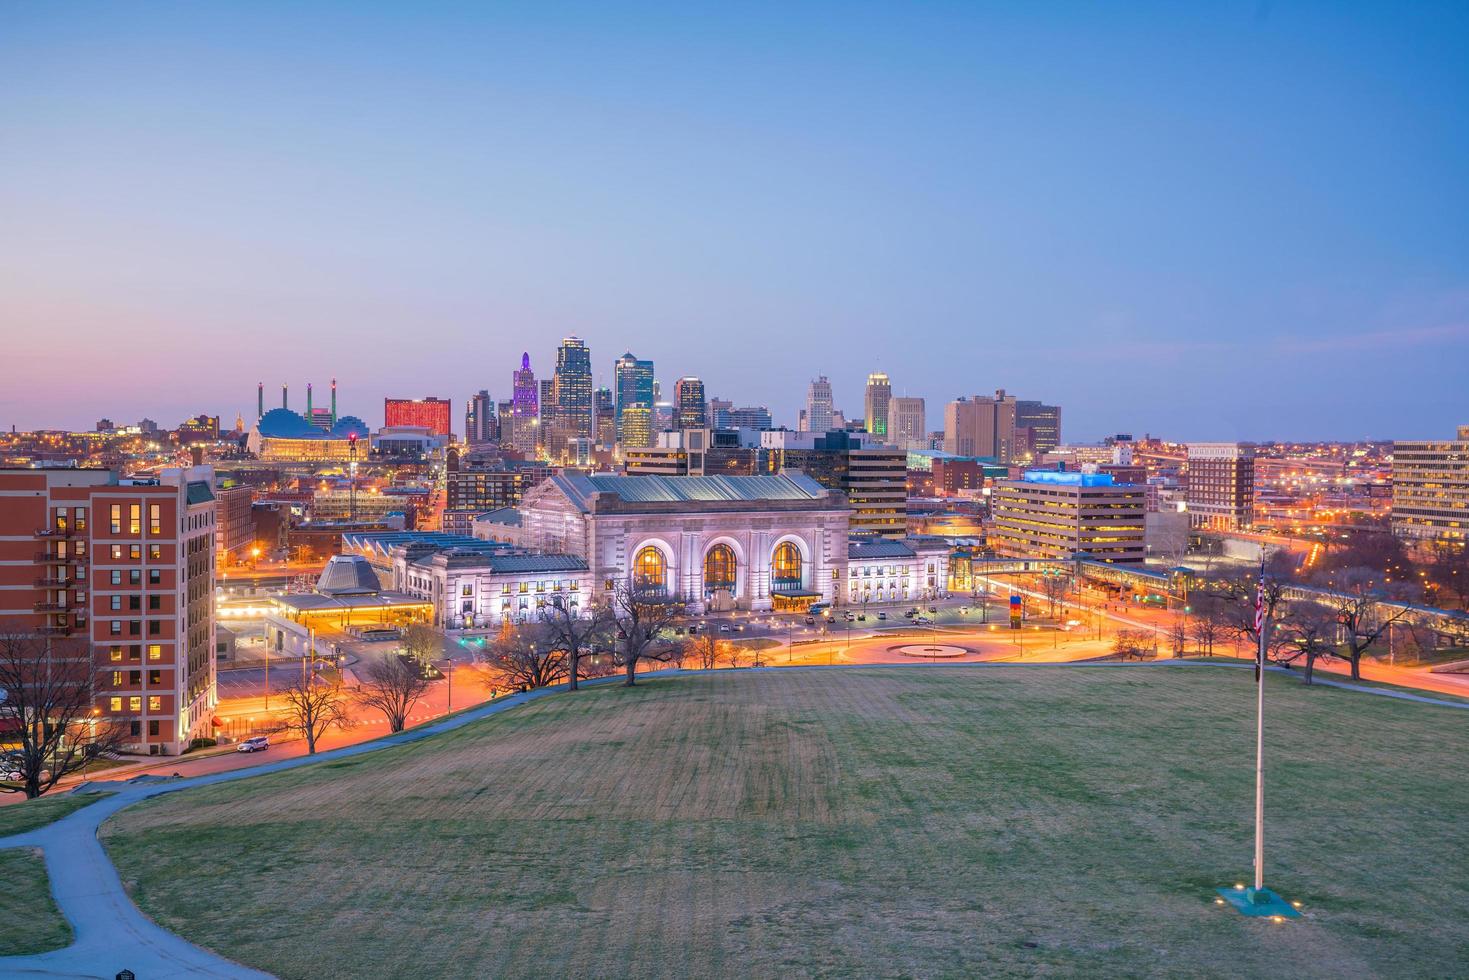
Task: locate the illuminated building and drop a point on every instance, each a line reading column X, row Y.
column 688, row 397
column 747, row 542
column 880, row 571
column 981, row 426
column 878, row 396
column 908, row 423
column 819, row 408
column 1050, row 514
column 572, row 387
column 1430, row 488
column 1044, row 423
column 281, row 435
column 1221, row 485
column 348, row 593
column 433, row 414
column 873, row 477
column 480, row 423
column 121, row 573
column 525, row 414
column 728, row 416
column 633, row 379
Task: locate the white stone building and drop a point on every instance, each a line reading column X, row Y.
column 474, row 589
column 715, row 542
column 880, row 571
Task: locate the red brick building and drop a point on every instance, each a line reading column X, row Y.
column 127, row 567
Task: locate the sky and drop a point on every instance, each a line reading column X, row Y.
column 1201, row 221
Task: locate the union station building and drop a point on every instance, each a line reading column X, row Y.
column 718, row 543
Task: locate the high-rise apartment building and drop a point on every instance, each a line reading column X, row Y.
column 875, row 403
column 873, row 476
column 433, row 414
column 525, row 408
column 688, row 398
column 1049, row 514
column 480, row 422
column 981, row 426
column 122, row 571
column 1044, row 423
column 908, row 423
column 1430, row 488
column 633, row 381
column 819, row 407
column 1221, row 485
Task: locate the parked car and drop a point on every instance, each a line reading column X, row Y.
column 678, row 631
column 256, row 743
column 724, row 627
column 810, row 621
column 862, row 617
column 933, row 609
column 882, row 616
column 922, row 621
column 739, row 627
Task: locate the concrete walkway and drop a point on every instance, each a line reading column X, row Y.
column 112, row 934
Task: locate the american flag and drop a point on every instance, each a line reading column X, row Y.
column 1260, row 605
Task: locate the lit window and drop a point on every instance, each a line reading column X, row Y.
column 135, row 704
column 155, row 703
column 650, row 571
column 155, row 651
column 115, row 704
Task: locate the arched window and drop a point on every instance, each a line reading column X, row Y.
column 785, row 569
column 719, row 569
column 650, row 571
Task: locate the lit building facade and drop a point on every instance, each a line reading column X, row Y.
column 1050, row 514
column 572, row 387
column 1430, row 488
column 525, row 409
column 634, row 399
column 981, row 426
column 908, row 423
column 873, row 477
column 693, row 411
column 819, row 406
column 878, row 396
column 1221, row 485
column 433, row 414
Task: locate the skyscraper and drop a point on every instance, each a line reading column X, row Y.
column 875, row 404
column 688, row 396
column 908, row 423
column 480, row 424
column 818, row 405
column 526, row 412
column 605, row 412
column 634, row 401
column 981, row 426
column 1043, row 420
column 573, row 393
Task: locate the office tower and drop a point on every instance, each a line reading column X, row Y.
column 908, row 423
column 427, row 413
column 1047, row 514
column 1221, row 485
column 1044, row 422
column 819, row 408
column 480, row 423
column 1430, row 488
column 873, row 476
column 716, row 406
column 120, row 572
column 525, row 408
column 745, row 417
column 633, row 380
column 665, row 417
column 875, row 404
column 688, row 398
column 981, row 426
column 549, row 412
column 605, row 411
column 573, row 395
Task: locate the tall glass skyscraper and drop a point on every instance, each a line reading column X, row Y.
column 688, row 396
column 633, row 381
column 573, row 388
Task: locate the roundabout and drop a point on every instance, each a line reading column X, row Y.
column 931, row 651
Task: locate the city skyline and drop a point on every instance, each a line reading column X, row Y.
column 1183, row 206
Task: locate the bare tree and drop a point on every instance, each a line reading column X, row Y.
column 1236, row 596
column 392, row 685
column 46, row 707
column 1308, row 635
column 1178, row 637
column 1134, row 644
column 641, row 618
column 1365, row 613
column 1206, row 627
column 576, row 635
column 525, row 657
column 313, row 708
column 422, row 642
column 1055, row 588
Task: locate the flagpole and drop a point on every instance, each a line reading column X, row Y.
column 1260, row 756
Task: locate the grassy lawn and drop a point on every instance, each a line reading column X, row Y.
column 29, row 919
column 934, row 822
column 18, row 818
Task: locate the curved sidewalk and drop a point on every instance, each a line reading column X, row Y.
column 112, row 934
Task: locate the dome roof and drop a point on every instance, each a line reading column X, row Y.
column 282, row 423
column 349, row 425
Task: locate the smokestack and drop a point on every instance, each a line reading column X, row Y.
column 334, row 401
column 285, row 401
column 308, row 404
column 260, row 401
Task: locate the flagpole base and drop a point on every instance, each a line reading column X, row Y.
column 1263, row 903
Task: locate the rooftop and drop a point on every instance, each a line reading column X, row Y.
column 789, row 485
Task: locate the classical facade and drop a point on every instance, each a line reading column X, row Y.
column 715, row 542
column 880, row 571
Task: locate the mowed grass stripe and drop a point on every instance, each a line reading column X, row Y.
column 935, row 822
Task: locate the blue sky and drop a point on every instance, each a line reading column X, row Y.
column 1227, row 220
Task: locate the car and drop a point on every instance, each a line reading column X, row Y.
column 862, row 617
column 922, row 621
column 256, row 743
column 810, row 621
column 933, row 609
column 693, row 628
column 848, row 617
column 724, row 627
column 739, row 627
column 678, row 631
column 882, row 616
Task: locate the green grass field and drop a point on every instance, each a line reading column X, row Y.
column 22, row 817
column 925, row 822
column 30, row 922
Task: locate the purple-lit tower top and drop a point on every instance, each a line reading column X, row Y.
column 525, row 393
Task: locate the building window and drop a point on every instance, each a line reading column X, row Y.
column 467, row 590
column 155, row 519
column 155, row 651
column 114, row 704
column 79, row 518
column 135, row 704
column 155, row 677
column 117, row 678
column 135, row 518
column 134, row 629
column 116, row 576
column 155, row 627
column 115, row 627
column 786, row 566
column 115, row 654
column 152, row 726
column 650, row 571
column 135, row 551
column 115, row 602
column 719, row 569
column 155, row 703
column 155, row 552
column 117, row 552
column 155, row 602
column 155, row 576
column 134, row 576
column 116, row 522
